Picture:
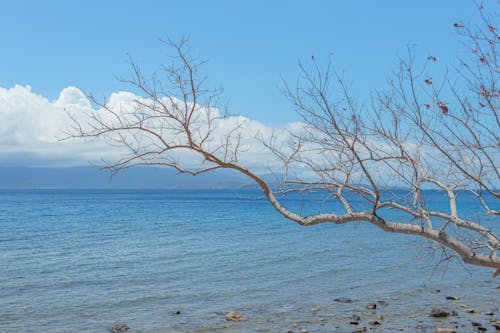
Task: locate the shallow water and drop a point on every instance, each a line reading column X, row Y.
column 81, row 261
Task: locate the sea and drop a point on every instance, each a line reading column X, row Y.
column 180, row 260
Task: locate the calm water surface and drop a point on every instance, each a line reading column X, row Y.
column 82, row 261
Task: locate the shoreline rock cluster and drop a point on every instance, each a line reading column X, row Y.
column 454, row 318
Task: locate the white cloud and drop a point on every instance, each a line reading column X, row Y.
column 31, row 127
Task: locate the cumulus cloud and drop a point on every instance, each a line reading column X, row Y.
column 31, row 128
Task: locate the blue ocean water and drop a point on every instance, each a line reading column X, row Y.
column 83, row 260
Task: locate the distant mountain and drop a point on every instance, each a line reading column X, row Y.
column 138, row 177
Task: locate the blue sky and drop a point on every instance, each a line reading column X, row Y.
column 250, row 45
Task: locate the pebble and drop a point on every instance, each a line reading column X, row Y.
column 235, row 316
column 439, row 313
column 371, row 306
column 361, row 329
column 119, row 328
column 343, row 300
column 315, row 308
column 452, row 298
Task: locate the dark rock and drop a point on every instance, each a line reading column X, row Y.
column 476, row 324
column 355, row 319
column 290, row 331
column 361, row 330
column 470, row 310
column 452, row 298
column 489, row 313
column 343, row 300
column 439, row 313
column 494, row 321
column 119, row 328
column 497, row 326
column 235, row 316
column 176, row 312
column 481, row 329
column 374, row 323
column 371, row 306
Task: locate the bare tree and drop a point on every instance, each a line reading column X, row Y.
column 420, row 133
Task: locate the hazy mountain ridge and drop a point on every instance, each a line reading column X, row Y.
column 92, row 177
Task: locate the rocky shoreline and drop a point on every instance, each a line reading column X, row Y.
column 451, row 316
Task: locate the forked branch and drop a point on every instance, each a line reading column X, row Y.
column 415, row 134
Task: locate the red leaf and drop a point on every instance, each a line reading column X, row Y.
column 443, row 108
column 431, row 58
column 427, row 106
column 485, row 93
column 483, row 60
column 492, row 28
column 428, row 81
